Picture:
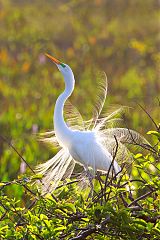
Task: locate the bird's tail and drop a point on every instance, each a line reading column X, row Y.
column 55, row 169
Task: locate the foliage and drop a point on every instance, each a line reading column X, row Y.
column 117, row 37
column 124, row 207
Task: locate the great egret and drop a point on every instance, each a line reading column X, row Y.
column 90, row 148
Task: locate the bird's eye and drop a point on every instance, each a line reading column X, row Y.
column 63, row 65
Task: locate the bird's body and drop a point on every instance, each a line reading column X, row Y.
column 85, row 147
column 89, row 148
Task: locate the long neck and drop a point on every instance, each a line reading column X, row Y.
column 61, row 129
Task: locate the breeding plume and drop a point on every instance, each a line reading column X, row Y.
column 89, row 144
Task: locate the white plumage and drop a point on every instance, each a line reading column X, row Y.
column 86, row 143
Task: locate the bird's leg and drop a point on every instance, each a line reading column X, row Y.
column 90, row 178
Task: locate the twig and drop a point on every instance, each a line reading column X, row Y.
column 111, row 165
column 137, row 180
column 3, row 215
column 85, row 234
column 69, row 183
column 149, row 116
column 5, row 140
column 37, row 235
column 140, row 198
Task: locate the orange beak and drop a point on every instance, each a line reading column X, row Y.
column 56, row 61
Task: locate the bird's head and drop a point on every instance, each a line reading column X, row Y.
column 63, row 68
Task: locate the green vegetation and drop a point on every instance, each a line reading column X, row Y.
column 127, row 207
column 119, row 37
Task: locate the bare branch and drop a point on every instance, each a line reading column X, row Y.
column 5, row 140
column 149, row 116
column 85, row 234
column 140, row 198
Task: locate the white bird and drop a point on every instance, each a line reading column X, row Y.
column 90, row 148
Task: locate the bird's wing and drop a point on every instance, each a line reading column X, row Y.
column 74, row 120
column 70, row 169
column 125, row 135
column 111, row 117
column 123, row 155
column 101, row 97
column 49, row 138
column 55, row 169
column 73, row 117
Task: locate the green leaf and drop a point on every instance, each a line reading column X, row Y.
column 156, row 231
column 70, row 206
column 150, row 226
column 2, row 184
column 138, row 155
column 60, row 228
column 37, row 176
column 43, row 217
column 85, row 219
column 155, row 133
column 3, row 228
column 140, row 222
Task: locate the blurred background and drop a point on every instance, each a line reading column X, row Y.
column 117, row 36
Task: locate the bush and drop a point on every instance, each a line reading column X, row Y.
column 125, row 207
